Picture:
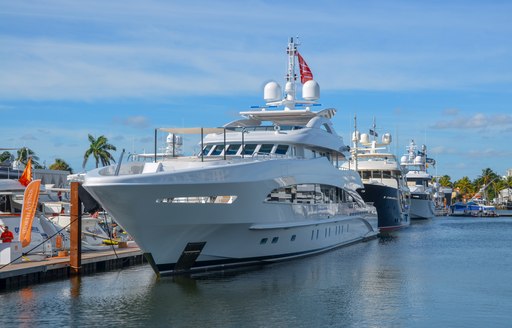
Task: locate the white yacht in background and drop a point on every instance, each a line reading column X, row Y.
column 11, row 203
column 52, row 219
column 419, row 182
column 383, row 178
column 263, row 188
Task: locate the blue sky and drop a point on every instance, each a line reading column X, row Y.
column 438, row 72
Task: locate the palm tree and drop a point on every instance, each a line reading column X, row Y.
column 445, row 181
column 465, row 187
column 508, row 182
column 485, row 180
column 61, row 165
column 23, row 155
column 5, row 156
column 99, row 149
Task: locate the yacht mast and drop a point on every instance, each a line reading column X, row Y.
column 355, row 140
column 291, row 77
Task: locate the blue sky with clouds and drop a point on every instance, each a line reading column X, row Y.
column 438, row 72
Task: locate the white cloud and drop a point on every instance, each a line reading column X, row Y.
column 479, row 121
column 127, row 49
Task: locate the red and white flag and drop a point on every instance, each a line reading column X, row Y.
column 305, row 72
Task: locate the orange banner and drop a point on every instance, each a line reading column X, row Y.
column 28, row 211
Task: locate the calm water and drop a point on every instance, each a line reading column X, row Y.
column 446, row 272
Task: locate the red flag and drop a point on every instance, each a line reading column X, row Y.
column 28, row 211
column 26, row 177
column 305, row 72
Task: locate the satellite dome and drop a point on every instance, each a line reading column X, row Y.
column 311, row 90
column 272, row 92
column 365, row 138
column 386, row 138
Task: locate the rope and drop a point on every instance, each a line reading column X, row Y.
column 56, row 233
column 44, row 241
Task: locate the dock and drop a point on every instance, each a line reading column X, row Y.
column 19, row 275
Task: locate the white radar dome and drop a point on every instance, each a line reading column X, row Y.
column 178, row 140
column 386, row 138
column 365, row 138
column 272, row 92
column 418, row 160
column 403, row 159
column 311, row 90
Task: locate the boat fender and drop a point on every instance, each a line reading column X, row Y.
column 58, row 242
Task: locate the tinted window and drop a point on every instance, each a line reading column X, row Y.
column 282, row 149
column 217, row 150
column 233, row 149
column 206, row 149
column 266, row 148
column 249, row 149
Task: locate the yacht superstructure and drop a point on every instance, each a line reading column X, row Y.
column 263, row 188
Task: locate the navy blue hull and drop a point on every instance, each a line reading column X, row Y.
column 392, row 213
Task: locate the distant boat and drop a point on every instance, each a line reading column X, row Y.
column 13, row 169
column 472, row 208
column 11, row 203
column 476, row 206
column 419, row 182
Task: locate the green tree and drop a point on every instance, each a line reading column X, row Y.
column 485, row 184
column 24, row 153
column 446, row 181
column 61, row 165
column 508, row 182
column 6, row 156
column 466, row 188
column 99, row 149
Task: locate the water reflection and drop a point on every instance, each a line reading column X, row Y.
column 75, row 285
column 423, row 276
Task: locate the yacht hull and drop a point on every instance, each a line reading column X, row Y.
column 392, row 214
column 190, row 235
column 422, row 207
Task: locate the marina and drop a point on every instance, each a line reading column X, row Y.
column 263, row 164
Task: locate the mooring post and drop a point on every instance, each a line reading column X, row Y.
column 75, row 256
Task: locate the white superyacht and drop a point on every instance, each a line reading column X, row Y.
column 264, row 188
column 419, row 182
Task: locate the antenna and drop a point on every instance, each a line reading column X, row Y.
column 355, row 140
column 374, row 131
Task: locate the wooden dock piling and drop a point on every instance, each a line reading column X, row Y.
column 75, row 256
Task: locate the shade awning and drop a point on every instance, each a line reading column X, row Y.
column 192, row 130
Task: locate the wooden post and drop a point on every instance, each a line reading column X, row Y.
column 75, row 258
